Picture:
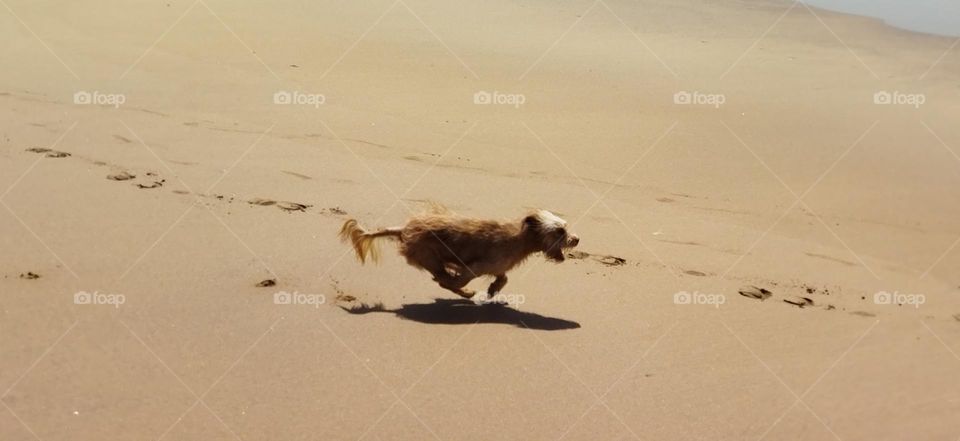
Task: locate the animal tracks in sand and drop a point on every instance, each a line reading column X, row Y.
column 48, row 152
column 151, row 180
column 154, row 184
column 286, row 206
column 266, row 283
column 758, row 293
column 122, row 176
column 806, row 296
column 295, row 206
column 292, row 206
column 283, row 205
column 800, row 302
column 755, row 292
column 341, row 295
column 749, row 291
column 602, row 258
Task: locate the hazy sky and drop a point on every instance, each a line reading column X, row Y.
column 933, row 16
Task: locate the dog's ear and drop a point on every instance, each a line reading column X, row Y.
column 531, row 223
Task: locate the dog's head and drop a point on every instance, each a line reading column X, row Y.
column 549, row 233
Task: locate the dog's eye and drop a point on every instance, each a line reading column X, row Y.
column 562, row 231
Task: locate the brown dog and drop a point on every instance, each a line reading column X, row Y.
column 456, row 249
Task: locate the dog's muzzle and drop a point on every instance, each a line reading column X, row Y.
column 572, row 241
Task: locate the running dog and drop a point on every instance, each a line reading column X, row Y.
column 457, row 249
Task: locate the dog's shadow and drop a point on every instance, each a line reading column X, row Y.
column 463, row 311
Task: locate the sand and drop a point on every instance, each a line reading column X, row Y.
column 131, row 307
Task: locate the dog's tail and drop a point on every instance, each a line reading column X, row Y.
column 364, row 242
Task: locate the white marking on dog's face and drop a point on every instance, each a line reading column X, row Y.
column 553, row 234
column 550, row 221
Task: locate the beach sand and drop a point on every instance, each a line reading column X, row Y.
column 143, row 318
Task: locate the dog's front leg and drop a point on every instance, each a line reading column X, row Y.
column 497, row 285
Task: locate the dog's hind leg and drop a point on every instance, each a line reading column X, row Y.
column 497, row 285
column 454, row 283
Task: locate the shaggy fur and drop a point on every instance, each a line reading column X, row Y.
column 456, row 249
